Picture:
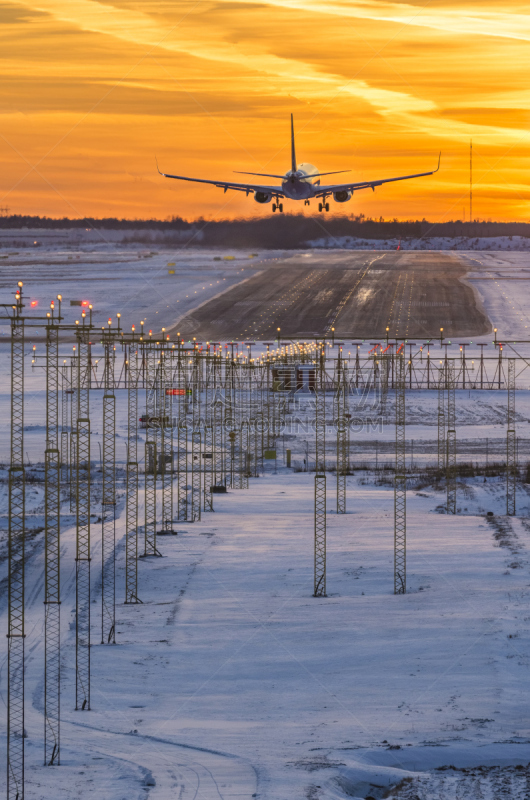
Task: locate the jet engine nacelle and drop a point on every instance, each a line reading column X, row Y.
column 342, row 196
column 262, row 197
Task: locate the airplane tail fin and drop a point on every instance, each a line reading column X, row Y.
column 293, row 153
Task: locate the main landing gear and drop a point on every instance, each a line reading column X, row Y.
column 323, row 206
column 306, row 202
column 278, row 206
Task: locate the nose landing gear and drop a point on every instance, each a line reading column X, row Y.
column 278, row 206
column 306, row 202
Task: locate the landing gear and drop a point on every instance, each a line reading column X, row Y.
column 306, row 202
column 323, row 206
column 273, row 207
column 278, row 206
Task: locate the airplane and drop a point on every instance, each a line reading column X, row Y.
column 299, row 183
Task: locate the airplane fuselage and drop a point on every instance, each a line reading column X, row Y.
column 298, row 185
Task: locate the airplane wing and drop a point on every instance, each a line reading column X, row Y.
column 226, row 185
column 354, row 187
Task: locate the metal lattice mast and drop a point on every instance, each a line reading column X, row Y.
column 15, row 652
column 196, row 476
column 166, row 444
column 108, row 500
column 400, row 483
column 229, row 422
column 244, row 455
column 151, row 454
column 182, row 441
column 207, row 463
column 341, row 386
column 82, row 471
column 511, row 454
column 384, row 370
column 65, row 394
column 218, row 439
column 131, row 525
column 73, row 431
column 52, row 599
column 319, row 583
column 451, row 439
column 442, row 445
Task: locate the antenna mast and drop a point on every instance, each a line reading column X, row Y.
column 471, row 180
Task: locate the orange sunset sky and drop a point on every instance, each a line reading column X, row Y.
column 92, row 91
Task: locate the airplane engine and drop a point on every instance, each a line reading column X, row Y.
column 261, row 197
column 343, row 196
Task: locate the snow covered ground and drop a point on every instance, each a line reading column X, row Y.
column 483, row 243
column 157, row 286
column 230, row 680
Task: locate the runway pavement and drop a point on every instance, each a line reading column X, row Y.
column 359, row 294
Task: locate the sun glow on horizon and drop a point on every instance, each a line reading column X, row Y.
column 93, row 91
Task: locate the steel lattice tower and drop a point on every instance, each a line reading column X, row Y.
column 108, row 500
column 511, row 455
column 319, row 583
column 341, row 400
column 229, row 422
column 207, row 464
column 131, row 527
column 15, row 653
column 244, row 455
column 219, row 477
column 52, row 599
column 196, row 476
column 165, row 410
column 451, row 439
column 400, row 483
column 82, row 694
column 65, row 394
column 182, row 477
column 442, row 445
column 151, row 454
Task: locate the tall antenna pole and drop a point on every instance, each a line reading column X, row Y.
column 471, row 180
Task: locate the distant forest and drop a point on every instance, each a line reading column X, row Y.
column 275, row 231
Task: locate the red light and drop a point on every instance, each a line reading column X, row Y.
column 84, row 302
column 34, row 303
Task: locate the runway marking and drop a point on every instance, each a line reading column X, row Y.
column 346, row 298
column 277, row 306
column 391, row 312
column 410, row 304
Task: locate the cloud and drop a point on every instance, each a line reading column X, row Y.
column 503, row 24
column 289, row 74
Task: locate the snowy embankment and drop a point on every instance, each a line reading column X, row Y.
column 497, row 243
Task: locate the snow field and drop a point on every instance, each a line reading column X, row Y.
column 230, row 652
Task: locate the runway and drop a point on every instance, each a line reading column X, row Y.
column 359, row 294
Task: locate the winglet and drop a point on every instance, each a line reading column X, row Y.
column 439, row 158
column 293, row 153
column 156, row 161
